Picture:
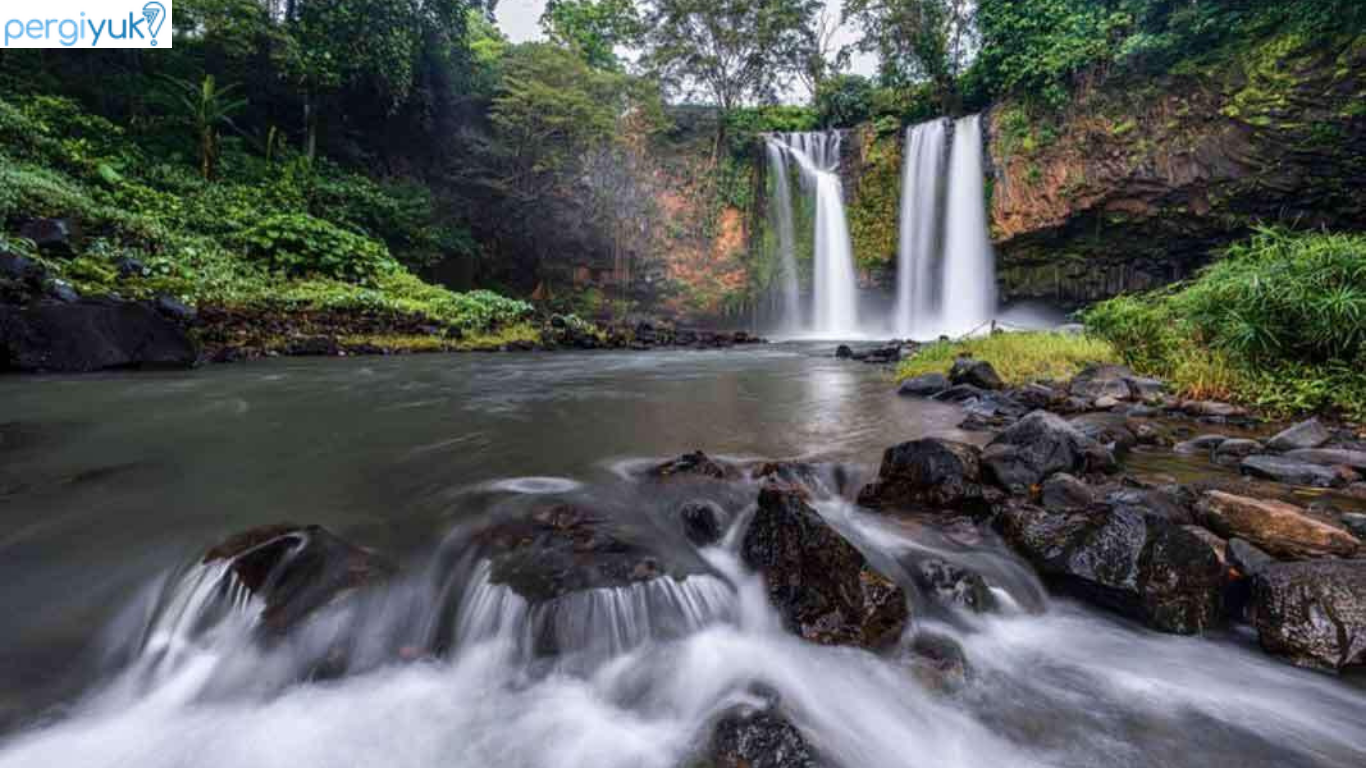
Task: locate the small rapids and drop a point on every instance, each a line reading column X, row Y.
column 445, row 667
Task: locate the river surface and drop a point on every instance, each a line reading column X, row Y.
column 114, row 653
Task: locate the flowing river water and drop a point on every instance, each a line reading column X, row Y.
column 119, row 649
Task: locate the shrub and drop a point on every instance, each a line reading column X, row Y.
column 1279, row 321
column 299, row 244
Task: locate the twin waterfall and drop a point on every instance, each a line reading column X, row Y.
column 945, row 274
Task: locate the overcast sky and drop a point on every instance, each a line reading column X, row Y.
column 520, row 21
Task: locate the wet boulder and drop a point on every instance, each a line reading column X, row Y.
column 1100, row 381
column 927, row 385
column 1063, row 491
column 1306, row 434
column 58, row 236
column 1233, row 451
column 953, row 587
column 931, row 472
column 1203, row 444
column 1281, row 529
column 90, row 335
column 1037, row 446
column 750, row 738
column 975, row 373
column 702, row 522
column 1246, row 557
column 1286, row 470
column 1164, row 502
column 844, row 352
column 1211, row 409
column 822, row 586
column 938, row 662
column 295, row 570
column 1109, row 429
column 1312, row 613
column 1142, row 566
column 564, row 549
column 1330, row 457
column 695, row 464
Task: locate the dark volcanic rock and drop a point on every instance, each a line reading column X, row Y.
column 695, row 464
column 565, row 549
column 1235, row 450
column 1246, row 557
column 21, row 269
column 928, row 385
column 54, row 235
column 1145, row 567
column 763, row 739
column 90, row 335
column 1109, row 429
column 1205, row 444
column 1153, row 502
column 822, row 586
column 702, row 522
column 1306, row 434
column 1281, row 529
column 933, row 472
column 1330, row 457
column 1097, row 381
column 953, row 587
column 939, row 662
column 1312, row 613
column 1286, row 470
column 844, row 352
column 1040, row 445
column 295, row 570
column 976, row 373
column 1063, row 491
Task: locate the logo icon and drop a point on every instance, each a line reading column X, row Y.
column 156, row 18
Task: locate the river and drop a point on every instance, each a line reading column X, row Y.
column 112, row 487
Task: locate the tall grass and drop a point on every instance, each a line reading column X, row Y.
column 1279, row 321
column 1019, row 358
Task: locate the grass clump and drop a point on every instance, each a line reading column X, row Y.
column 1019, row 358
column 1278, row 322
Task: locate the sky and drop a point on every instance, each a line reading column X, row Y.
column 520, row 21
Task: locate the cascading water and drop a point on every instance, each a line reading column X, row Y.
column 834, row 286
column 916, row 297
column 946, row 283
column 780, row 214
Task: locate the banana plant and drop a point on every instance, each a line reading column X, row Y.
column 208, row 107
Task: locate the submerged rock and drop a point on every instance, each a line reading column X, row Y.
column 1278, row 528
column 702, row 522
column 1306, row 434
column 975, row 373
column 1143, row 566
column 1039, row 445
column 695, row 464
column 939, row 662
column 1233, row 451
column 1205, row 444
column 90, row 335
column 1287, row 470
column 821, row 585
column 295, row 570
column 954, row 587
column 1314, row 614
column 565, row 549
column 931, row 472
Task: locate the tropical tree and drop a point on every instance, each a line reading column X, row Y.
column 732, row 52
column 594, row 28
column 918, row 40
column 208, row 107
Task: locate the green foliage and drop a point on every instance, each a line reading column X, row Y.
column 844, row 101
column 594, row 28
column 917, row 41
column 1019, row 358
column 1283, row 314
column 732, row 51
column 206, row 106
column 874, row 207
column 299, row 244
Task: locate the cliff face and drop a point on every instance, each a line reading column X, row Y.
column 1133, row 185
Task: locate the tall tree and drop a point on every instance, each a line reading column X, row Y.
column 918, row 40
column 597, row 29
column 733, row 52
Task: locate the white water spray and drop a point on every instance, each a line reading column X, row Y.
column 780, row 211
column 916, row 298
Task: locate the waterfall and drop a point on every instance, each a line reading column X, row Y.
column 946, row 282
column 780, row 214
column 834, row 286
column 916, row 299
